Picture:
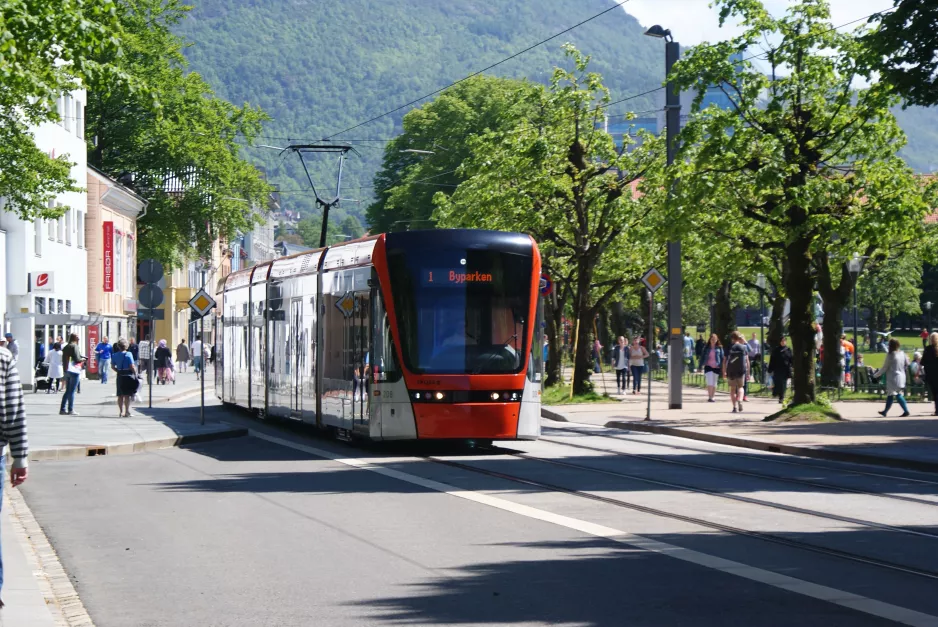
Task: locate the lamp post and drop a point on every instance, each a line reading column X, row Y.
column 854, row 265
column 760, row 281
column 672, row 107
column 928, row 309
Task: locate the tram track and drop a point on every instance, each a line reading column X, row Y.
column 742, row 473
column 761, row 458
column 767, row 537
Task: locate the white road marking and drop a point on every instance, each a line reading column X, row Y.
column 824, row 593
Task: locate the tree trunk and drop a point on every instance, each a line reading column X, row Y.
column 776, row 322
column 553, row 315
column 833, row 299
column 799, row 285
column 724, row 315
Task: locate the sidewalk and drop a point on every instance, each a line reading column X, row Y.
column 97, row 429
column 862, row 437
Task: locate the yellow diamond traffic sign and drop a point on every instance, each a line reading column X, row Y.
column 653, row 280
column 346, row 305
column 201, row 303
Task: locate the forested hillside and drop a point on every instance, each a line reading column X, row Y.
column 320, row 67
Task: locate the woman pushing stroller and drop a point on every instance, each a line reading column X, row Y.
column 163, row 360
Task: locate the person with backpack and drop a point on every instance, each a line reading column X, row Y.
column 736, row 369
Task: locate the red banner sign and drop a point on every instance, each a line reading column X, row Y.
column 92, row 343
column 108, row 256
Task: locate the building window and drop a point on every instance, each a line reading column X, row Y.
column 67, row 118
column 50, row 222
column 40, row 305
column 118, row 245
column 60, row 109
column 68, row 226
column 60, row 306
column 60, row 224
column 81, row 229
column 130, row 266
column 38, row 237
column 80, row 119
column 68, row 306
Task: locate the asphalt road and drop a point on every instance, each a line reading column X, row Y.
column 587, row 530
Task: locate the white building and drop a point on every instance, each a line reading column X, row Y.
column 45, row 262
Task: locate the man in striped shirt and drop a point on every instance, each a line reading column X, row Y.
column 12, row 426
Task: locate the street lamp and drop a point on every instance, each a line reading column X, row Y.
column 672, row 108
column 928, row 309
column 760, row 281
column 854, row 265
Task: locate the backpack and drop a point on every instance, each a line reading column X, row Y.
column 736, row 362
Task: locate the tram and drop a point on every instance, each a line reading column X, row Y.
column 399, row 336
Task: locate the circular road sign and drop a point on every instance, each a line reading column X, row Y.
column 547, row 286
column 150, row 297
column 150, row 271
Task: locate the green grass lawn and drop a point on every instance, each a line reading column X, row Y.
column 560, row 395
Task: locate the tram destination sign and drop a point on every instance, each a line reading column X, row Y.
column 449, row 277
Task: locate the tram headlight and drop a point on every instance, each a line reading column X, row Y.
column 439, row 396
column 496, row 396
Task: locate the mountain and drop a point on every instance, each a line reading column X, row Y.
column 320, row 67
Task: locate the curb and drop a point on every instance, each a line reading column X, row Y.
column 800, row 451
column 81, row 452
column 169, row 399
column 552, row 415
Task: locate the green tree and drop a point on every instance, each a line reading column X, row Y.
column 440, row 131
column 804, row 164
column 351, row 227
column 559, row 177
column 178, row 140
column 46, row 49
column 890, row 284
column 904, row 49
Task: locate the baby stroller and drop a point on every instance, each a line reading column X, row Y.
column 167, row 373
column 43, row 382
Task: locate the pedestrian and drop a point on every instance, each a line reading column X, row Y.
column 930, row 366
column 544, row 349
column 133, row 349
column 182, row 355
column 712, row 360
column 637, row 356
column 780, row 367
column 895, row 366
column 72, row 360
column 163, row 361
column 196, row 350
column 620, row 361
column 915, row 368
column 102, row 353
column 127, row 380
column 56, row 372
column 736, row 369
column 12, row 346
column 689, row 349
column 923, row 335
column 211, row 355
column 12, row 427
column 596, row 354
column 699, row 350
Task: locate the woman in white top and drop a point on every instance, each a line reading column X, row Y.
column 637, row 357
column 620, row 361
column 894, row 368
column 54, row 361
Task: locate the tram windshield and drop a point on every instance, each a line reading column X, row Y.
column 461, row 311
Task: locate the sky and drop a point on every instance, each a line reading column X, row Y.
column 694, row 21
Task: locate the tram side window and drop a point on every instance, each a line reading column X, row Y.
column 386, row 368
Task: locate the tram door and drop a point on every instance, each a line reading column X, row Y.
column 295, row 351
column 358, row 354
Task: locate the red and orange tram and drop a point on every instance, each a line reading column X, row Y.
column 412, row 335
